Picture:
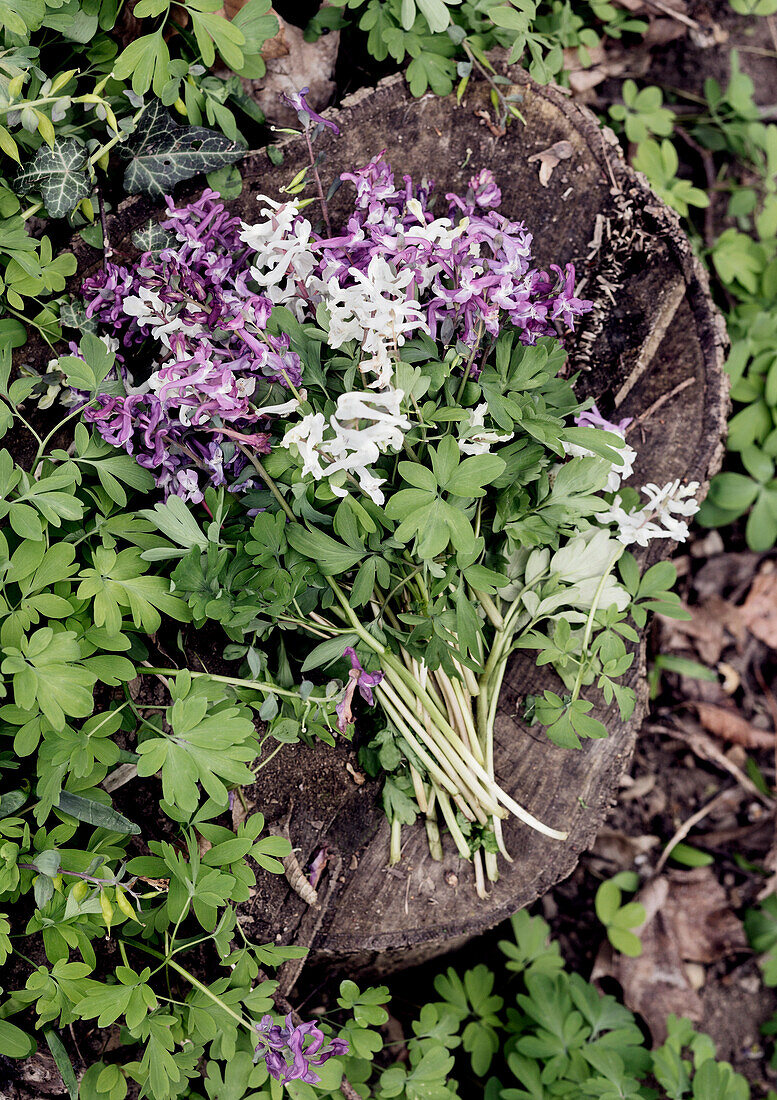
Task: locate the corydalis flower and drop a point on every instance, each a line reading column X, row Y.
column 290, row 1052
column 357, row 677
column 305, row 113
column 658, row 518
column 362, row 428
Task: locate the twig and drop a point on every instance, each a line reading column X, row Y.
column 107, row 249
column 289, row 973
column 661, row 401
column 319, row 185
column 771, row 702
column 686, row 826
column 605, row 150
column 709, row 171
column 772, row 29
column 706, row 749
column 678, row 15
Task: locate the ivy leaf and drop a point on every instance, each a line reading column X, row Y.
column 161, row 153
column 60, row 174
column 152, row 237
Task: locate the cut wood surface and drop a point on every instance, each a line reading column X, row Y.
column 652, row 348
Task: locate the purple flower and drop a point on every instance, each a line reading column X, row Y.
column 592, row 418
column 305, row 113
column 485, row 189
column 290, row 1052
column 317, row 866
column 201, row 305
column 357, row 677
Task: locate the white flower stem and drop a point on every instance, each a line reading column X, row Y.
column 589, row 625
column 453, row 826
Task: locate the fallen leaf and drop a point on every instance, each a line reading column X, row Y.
column 358, row 778
column 620, row 851
column 731, row 677
column 724, row 572
column 550, row 159
column 655, row 983
column 703, row 746
column 705, row 926
column 726, row 723
column 759, row 611
column 710, row 621
column 292, row 64
column 638, row 788
column 688, row 921
column 661, row 31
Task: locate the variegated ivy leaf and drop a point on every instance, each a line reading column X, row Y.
column 61, row 176
column 151, row 237
column 161, row 153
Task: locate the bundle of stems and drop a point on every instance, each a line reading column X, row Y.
column 447, row 723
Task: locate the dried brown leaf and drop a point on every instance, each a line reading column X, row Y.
column 759, row 611
column 726, row 723
column 688, row 920
column 710, row 621
column 550, row 159
column 299, row 64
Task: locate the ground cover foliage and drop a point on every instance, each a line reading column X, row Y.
column 85, row 604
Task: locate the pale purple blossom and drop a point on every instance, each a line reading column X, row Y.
column 357, row 677
column 290, row 1052
column 592, row 418
column 298, row 102
column 222, row 375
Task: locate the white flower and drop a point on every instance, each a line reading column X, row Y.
column 362, row 427
column 382, row 365
column 657, row 519
column 673, row 497
column 281, row 410
column 284, row 258
column 307, row 436
column 151, row 313
column 376, row 310
column 476, row 440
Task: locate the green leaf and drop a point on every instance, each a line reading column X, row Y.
column 211, row 742
column 328, row 651
column 690, row 857
column 147, row 61
column 60, row 174
column 472, row 474
column 64, row 1065
column 88, row 372
column 96, row 813
column 331, row 556
column 734, row 492
column 162, row 153
column 15, row 1043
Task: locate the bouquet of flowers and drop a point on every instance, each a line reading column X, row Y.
column 399, row 483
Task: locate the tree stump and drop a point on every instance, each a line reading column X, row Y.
column 652, row 349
